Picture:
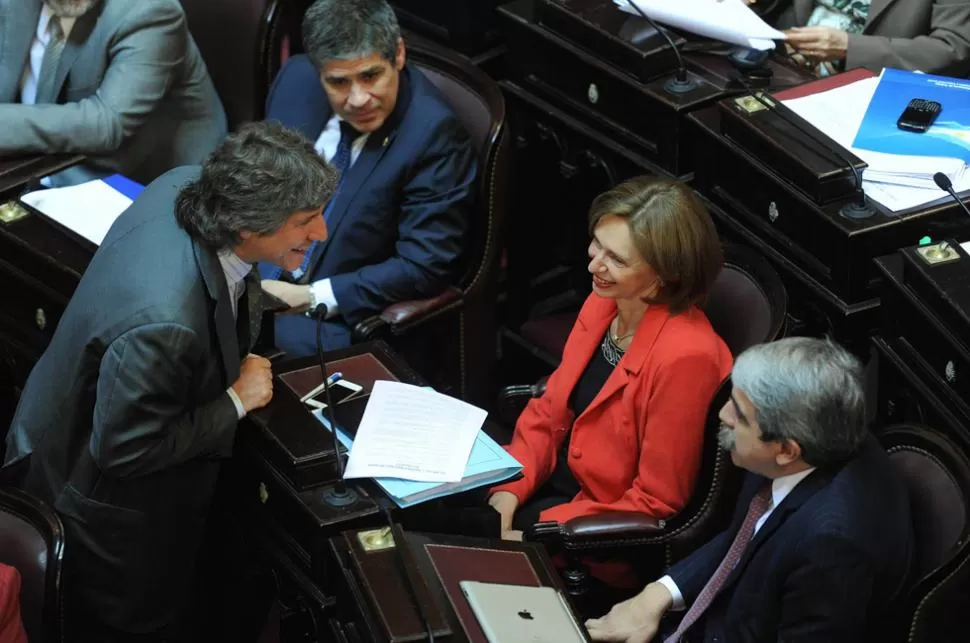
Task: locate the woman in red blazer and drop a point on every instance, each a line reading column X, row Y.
column 620, row 426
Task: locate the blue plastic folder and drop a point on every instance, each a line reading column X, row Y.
column 949, row 136
column 488, row 464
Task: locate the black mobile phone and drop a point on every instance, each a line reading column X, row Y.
column 919, row 115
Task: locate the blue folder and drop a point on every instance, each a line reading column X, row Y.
column 488, row 464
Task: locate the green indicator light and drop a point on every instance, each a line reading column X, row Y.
column 925, row 241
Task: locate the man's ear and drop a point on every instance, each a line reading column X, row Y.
column 400, row 56
column 789, row 451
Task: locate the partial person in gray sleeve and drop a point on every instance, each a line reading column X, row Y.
column 119, row 81
column 126, row 417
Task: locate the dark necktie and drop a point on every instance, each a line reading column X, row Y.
column 757, row 508
column 340, row 161
column 52, row 59
column 249, row 313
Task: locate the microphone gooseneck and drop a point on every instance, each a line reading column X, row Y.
column 943, row 182
column 339, row 494
column 859, row 208
column 681, row 83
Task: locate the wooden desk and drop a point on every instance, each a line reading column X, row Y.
column 374, row 605
column 15, row 173
column 923, row 344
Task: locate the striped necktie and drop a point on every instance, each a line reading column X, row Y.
column 758, row 507
column 52, row 59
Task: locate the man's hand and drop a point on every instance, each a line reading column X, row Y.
column 295, row 296
column 820, row 44
column 635, row 620
column 255, row 384
column 505, row 504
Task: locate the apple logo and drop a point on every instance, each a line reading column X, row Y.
column 524, row 614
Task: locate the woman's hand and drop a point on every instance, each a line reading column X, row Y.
column 820, row 44
column 505, row 503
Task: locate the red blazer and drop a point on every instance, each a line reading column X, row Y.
column 637, row 447
column 11, row 627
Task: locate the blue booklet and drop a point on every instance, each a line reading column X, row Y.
column 949, row 136
column 488, row 464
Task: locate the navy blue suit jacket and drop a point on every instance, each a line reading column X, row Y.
column 398, row 226
column 827, row 560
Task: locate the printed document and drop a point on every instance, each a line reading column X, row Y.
column 728, row 20
column 413, row 433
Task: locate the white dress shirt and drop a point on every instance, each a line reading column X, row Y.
column 28, row 83
column 235, row 270
column 780, row 488
column 326, row 147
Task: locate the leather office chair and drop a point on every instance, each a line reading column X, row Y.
column 32, row 540
column 937, row 474
column 465, row 313
column 236, row 43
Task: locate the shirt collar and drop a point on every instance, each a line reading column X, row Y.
column 781, row 487
column 234, row 268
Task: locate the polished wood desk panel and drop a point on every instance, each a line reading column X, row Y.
column 605, row 68
column 374, row 606
column 923, row 343
column 825, row 258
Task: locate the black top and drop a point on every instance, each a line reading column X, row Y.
column 592, row 380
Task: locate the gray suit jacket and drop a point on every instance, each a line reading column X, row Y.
column 124, row 419
column 929, row 35
column 134, row 93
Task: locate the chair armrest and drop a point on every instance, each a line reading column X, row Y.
column 512, row 400
column 610, row 529
column 404, row 314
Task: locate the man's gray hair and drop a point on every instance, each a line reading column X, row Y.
column 809, row 391
column 255, row 180
column 350, row 29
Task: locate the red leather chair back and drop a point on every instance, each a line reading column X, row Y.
column 32, row 540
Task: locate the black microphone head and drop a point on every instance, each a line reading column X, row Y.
column 942, row 181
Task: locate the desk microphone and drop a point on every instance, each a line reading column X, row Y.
column 858, row 208
column 338, row 494
column 681, row 83
column 943, row 182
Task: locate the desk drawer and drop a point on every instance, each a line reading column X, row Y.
column 30, row 305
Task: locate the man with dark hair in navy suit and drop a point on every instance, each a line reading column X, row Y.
column 399, row 222
column 821, row 538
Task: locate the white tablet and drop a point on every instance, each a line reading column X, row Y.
column 521, row 614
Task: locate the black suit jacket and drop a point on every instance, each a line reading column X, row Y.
column 828, row 559
column 124, row 419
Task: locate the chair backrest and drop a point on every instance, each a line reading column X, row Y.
column 936, row 473
column 712, row 500
column 233, row 38
column 32, row 540
column 478, row 102
column 747, row 303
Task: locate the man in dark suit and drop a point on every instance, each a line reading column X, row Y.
column 822, row 535
column 125, row 418
column 399, row 221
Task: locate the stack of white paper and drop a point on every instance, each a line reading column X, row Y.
column 413, row 433
column 728, row 20
column 88, row 209
column 898, row 182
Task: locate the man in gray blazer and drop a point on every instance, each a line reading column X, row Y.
column 926, row 35
column 125, row 418
column 119, row 81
